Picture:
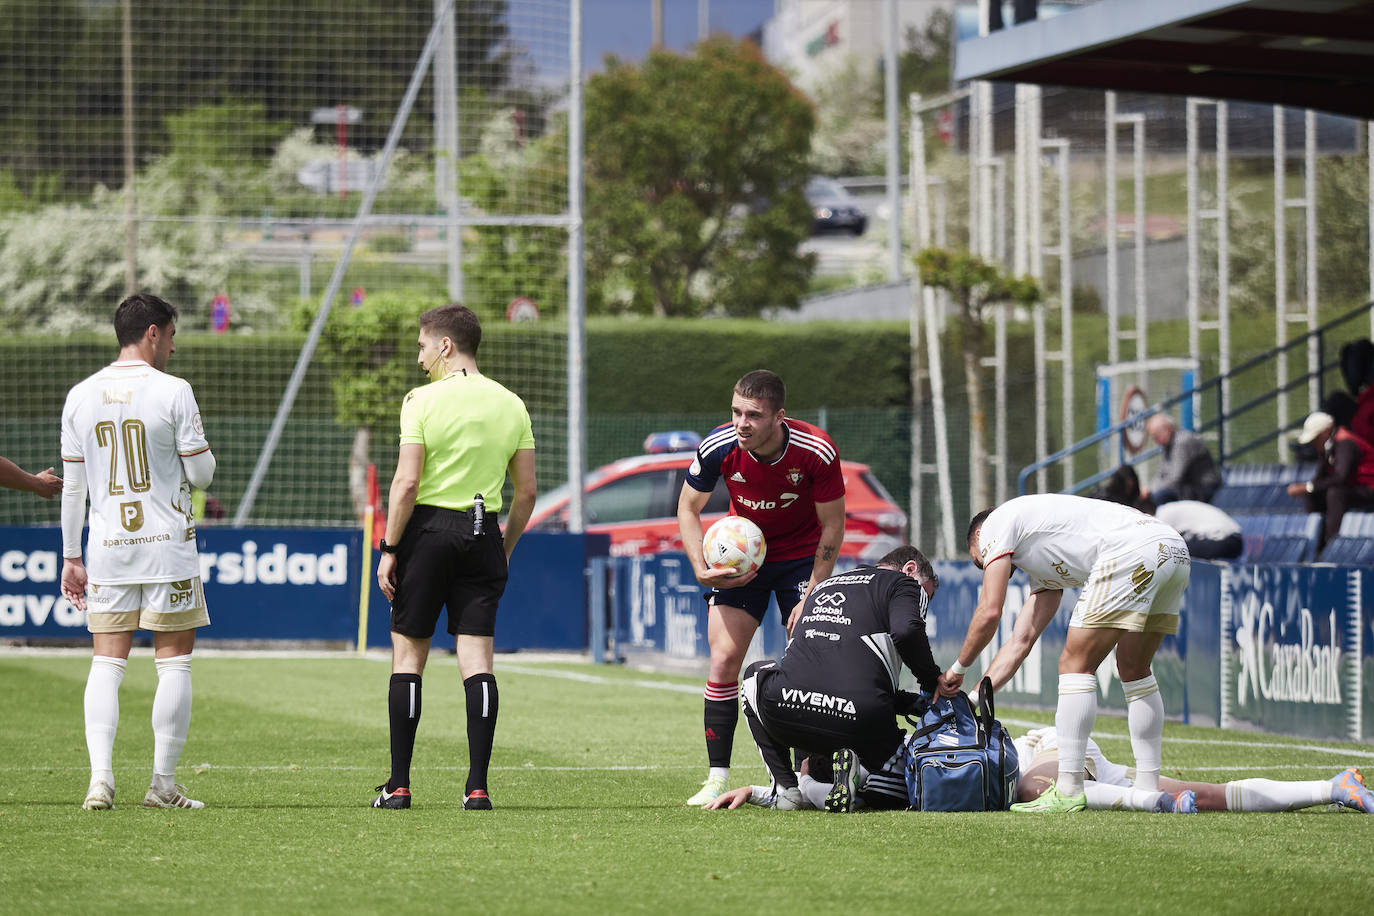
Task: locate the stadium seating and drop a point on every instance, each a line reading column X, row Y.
column 1262, row 489
column 1281, row 538
column 1353, row 545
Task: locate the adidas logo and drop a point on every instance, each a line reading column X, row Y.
column 711, row 734
column 737, row 477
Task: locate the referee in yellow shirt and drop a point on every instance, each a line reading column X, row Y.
column 460, row 435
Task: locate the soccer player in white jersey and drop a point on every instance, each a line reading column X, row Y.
column 132, row 436
column 1132, row 570
column 1110, row 786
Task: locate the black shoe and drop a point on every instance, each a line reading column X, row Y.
column 841, row 797
column 477, row 800
column 400, row 798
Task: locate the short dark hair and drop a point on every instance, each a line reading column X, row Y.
column 762, row 385
column 975, row 523
column 1122, row 487
column 900, row 556
column 137, row 313
column 456, row 322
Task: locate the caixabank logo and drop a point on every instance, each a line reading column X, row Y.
column 1283, row 658
column 1286, row 635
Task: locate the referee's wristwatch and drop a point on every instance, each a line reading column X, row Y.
column 384, row 547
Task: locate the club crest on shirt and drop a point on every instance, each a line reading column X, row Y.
column 794, row 475
column 131, row 515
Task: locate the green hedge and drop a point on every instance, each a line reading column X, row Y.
column 676, row 366
column 632, row 366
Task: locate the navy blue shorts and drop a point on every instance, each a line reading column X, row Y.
column 787, row 579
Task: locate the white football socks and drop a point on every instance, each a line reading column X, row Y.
column 1120, row 798
column 102, row 714
column 814, row 792
column 1272, row 795
column 171, row 717
column 1073, row 722
column 1145, row 719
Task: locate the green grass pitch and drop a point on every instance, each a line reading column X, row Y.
column 589, row 774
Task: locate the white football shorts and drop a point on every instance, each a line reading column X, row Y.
column 166, row 607
column 1140, row 591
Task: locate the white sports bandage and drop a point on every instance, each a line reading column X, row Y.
column 73, row 507
column 957, row 668
column 199, row 468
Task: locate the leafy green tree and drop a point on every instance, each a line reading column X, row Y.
column 974, row 285
column 851, row 133
column 695, row 170
column 924, row 66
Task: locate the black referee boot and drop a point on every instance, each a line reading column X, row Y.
column 395, row 800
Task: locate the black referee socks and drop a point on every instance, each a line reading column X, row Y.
column 483, row 701
column 403, row 706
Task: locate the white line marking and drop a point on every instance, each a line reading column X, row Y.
column 1224, row 742
column 598, row 679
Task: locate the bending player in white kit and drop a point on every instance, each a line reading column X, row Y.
column 136, row 434
column 1132, row 569
column 1109, row 785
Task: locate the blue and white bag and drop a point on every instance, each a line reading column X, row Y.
column 961, row 759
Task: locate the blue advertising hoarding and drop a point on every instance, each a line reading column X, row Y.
column 303, row 584
column 659, row 607
column 260, row 583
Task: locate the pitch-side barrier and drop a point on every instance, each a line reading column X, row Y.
column 307, row 585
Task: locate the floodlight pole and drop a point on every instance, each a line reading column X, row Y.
column 446, row 143
column 894, row 143
column 130, row 178
column 577, row 299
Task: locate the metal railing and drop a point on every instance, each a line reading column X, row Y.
column 1211, row 389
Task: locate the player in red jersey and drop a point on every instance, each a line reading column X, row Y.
column 783, row 475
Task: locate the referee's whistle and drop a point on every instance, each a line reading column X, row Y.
column 479, row 512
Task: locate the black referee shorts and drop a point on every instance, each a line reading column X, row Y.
column 440, row 562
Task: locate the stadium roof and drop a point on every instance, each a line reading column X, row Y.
column 1301, row 53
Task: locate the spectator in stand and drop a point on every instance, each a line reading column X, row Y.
column 1186, row 468
column 1209, row 532
column 1345, row 472
column 1357, row 368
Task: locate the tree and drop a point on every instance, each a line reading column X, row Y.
column 851, row 133
column 695, row 171
column 974, row 285
column 924, row 66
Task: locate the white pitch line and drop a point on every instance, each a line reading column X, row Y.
column 598, row 679
column 1223, row 742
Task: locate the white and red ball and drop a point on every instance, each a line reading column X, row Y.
column 735, row 543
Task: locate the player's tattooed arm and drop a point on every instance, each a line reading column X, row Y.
column 831, row 516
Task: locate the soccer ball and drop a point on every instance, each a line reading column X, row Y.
column 735, row 543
